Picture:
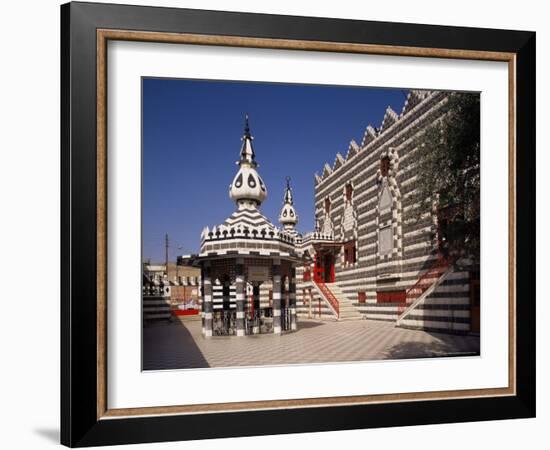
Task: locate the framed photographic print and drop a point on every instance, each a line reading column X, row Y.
column 277, row 224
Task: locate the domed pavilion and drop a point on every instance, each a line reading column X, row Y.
column 248, row 265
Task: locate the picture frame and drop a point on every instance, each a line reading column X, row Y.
column 86, row 418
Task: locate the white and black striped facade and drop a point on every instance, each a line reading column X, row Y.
column 380, row 248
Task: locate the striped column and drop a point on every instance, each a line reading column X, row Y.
column 240, row 288
column 277, row 296
column 292, row 298
column 306, row 292
column 206, row 301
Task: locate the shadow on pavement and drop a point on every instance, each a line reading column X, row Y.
column 157, row 355
column 309, row 324
column 442, row 346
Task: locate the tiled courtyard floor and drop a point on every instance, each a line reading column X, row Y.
column 180, row 345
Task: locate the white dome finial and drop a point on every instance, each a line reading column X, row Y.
column 247, row 188
column 288, row 217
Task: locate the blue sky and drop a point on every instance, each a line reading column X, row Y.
column 191, row 140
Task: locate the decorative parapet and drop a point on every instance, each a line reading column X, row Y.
column 391, row 118
column 185, row 281
column 156, row 290
column 224, row 232
column 369, row 136
column 338, row 162
column 315, row 236
column 353, row 149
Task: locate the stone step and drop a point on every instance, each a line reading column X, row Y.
column 349, row 313
column 343, row 319
column 348, row 310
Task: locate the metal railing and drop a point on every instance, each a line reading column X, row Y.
column 286, row 323
column 438, row 267
column 224, row 323
column 428, row 279
column 259, row 319
column 329, row 296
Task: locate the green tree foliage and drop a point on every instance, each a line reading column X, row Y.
column 448, row 174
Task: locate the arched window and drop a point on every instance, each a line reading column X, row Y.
column 327, row 205
column 386, row 222
column 385, row 202
column 384, row 166
column 349, row 253
column 385, row 240
column 349, row 192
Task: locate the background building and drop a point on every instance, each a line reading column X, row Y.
column 169, row 291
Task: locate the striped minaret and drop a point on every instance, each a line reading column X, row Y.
column 206, row 300
column 240, row 288
column 288, row 217
column 276, row 296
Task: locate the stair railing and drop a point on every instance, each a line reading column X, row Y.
column 329, row 296
column 428, row 278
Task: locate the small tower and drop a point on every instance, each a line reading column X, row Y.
column 254, row 253
column 248, row 189
column 288, row 217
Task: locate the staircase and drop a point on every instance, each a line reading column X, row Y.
column 426, row 281
column 342, row 307
column 424, row 286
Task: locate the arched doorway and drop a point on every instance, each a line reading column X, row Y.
column 324, row 267
column 226, row 292
column 223, row 318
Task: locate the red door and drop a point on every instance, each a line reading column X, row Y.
column 329, row 268
column 323, row 271
column 319, row 270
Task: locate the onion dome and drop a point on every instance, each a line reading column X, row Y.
column 247, row 188
column 288, row 217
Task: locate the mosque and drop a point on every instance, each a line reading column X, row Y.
column 366, row 258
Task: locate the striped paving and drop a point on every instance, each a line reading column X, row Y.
column 180, row 345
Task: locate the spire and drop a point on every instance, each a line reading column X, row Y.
column 246, row 126
column 247, row 150
column 248, row 189
column 288, row 217
column 288, row 192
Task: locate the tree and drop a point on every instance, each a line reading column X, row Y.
column 448, row 175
